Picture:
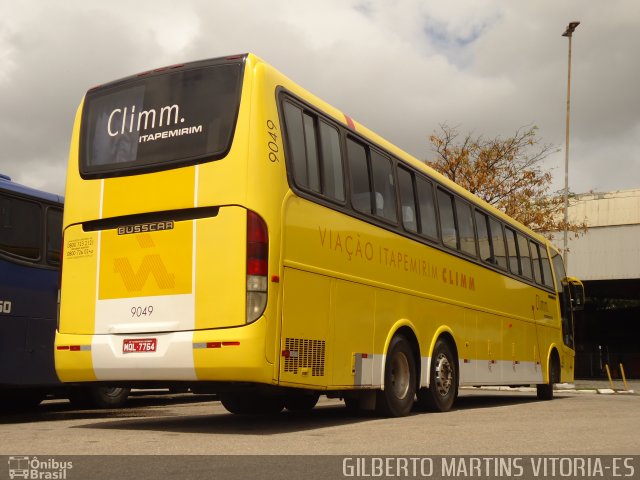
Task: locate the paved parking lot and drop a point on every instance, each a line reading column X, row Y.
column 483, row 422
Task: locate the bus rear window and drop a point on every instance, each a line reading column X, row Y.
column 154, row 122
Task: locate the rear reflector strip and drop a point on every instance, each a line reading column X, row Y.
column 75, row 348
column 215, row 344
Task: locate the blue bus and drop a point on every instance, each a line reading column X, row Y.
column 30, row 241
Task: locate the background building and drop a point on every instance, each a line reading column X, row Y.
column 607, row 259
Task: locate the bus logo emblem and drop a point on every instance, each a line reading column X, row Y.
column 151, row 265
column 146, row 227
column 134, row 281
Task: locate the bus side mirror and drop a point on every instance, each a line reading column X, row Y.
column 577, row 294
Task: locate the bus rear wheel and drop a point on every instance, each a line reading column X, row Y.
column 22, row 400
column 301, row 402
column 247, row 403
column 99, row 397
column 443, row 380
column 399, row 391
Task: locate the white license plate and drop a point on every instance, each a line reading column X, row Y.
column 139, row 345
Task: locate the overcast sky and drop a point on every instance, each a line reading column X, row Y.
column 399, row 67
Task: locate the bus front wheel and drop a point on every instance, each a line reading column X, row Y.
column 399, row 391
column 544, row 391
column 443, row 380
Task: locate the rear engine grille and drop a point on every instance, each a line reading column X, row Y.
column 304, row 353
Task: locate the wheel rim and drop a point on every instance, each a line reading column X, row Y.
column 444, row 375
column 400, row 375
column 112, row 392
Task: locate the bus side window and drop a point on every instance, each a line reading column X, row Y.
column 20, row 223
column 311, row 144
column 535, row 258
column 465, row 228
column 314, row 147
column 407, row 200
column 428, row 217
column 54, row 235
column 525, row 256
column 359, row 177
column 383, row 186
column 298, row 149
column 497, row 243
column 447, row 220
column 332, row 171
column 546, row 267
column 483, row 238
column 514, row 262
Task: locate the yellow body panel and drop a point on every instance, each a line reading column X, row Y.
column 77, row 298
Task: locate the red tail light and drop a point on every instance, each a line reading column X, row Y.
column 257, row 245
column 257, row 266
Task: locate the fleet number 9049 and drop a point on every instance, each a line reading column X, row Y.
column 141, row 311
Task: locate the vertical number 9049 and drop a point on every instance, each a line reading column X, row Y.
column 272, row 145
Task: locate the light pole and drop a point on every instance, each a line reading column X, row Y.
column 567, row 33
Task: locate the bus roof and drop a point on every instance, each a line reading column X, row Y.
column 7, row 185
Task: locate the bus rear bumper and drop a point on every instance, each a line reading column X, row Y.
column 235, row 354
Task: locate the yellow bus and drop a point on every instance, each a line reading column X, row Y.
column 228, row 231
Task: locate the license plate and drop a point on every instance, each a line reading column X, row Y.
column 139, row 345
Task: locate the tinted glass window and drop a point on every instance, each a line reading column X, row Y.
column 525, row 257
column 359, row 176
column 535, row 260
column 295, row 139
column 428, row 218
column 384, row 191
column 483, row 237
column 558, row 270
column 514, row 263
column 497, row 243
column 54, row 235
column 447, row 220
column 546, row 267
column 159, row 120
column 407, row 200
column 312, row 153
column 565, row 300
column 465, row 228
column 20, row 222
column 332, row 173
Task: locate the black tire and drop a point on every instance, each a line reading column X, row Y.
column 396, row 400
column 301, row 402
column 99, row 397
column 109, row 397
column 353, row 404
column 544, row 391
column 443, row 380
column 22, row 400
column 251, row 404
